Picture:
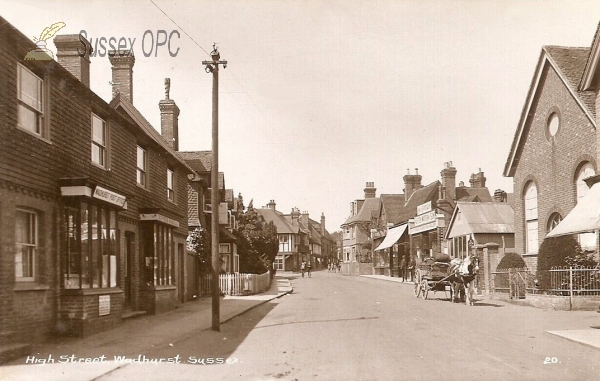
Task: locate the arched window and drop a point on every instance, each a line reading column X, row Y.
column 585, row 171
column 586, row 240
column 553, row 221
column 531, row 218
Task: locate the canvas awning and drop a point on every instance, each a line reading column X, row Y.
column 585, row 216
column 392, row 236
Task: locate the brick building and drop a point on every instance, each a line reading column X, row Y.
column 93, row 201
column 555, row 146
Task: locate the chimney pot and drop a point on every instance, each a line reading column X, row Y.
column 169, row 118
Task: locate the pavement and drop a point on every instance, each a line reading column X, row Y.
column 589, row 336
column 85, row 359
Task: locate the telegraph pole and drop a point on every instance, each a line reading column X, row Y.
column 213, row 67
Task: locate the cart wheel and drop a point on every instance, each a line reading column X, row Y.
column 417, row 289
column 424, row 289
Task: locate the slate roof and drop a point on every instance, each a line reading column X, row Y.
column 571, row 62
column 473, row 194
column 282, row 225
column 486, row 217
column 420, row 196
column 392, row 204
column 194, row 160
column 369, row 206
column 203, row 157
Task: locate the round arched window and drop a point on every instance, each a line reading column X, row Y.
column 553, row 124
column 553, row 221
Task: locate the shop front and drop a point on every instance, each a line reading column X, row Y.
column 425, row 230
column 91, row 299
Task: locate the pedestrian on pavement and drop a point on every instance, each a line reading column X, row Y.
column 302, row 268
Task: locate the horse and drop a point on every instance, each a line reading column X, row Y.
column 462, row 274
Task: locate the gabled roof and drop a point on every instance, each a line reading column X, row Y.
column 473, row 194
column 590, row 74
column 203, row 157
column 194, row 160
column 369, row 206
column 123, row 103
column 283, row 227
column 569, row 64
column 392, row 204
column 420, row 196
column 481, row 217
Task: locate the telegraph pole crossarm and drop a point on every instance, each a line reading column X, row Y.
column 213, row 67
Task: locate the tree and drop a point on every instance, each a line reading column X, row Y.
column 257, row 242
column 554, row 252
column 198, row 241
column 511, row 261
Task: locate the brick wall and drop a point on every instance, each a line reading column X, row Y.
column 551, row 163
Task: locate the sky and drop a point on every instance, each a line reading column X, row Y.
column 321, row 96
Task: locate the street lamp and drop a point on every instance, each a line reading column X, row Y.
column 213, row 67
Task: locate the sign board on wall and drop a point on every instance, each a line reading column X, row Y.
column 424, row 208
column 103, row 305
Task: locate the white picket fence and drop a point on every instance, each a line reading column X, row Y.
column 237, row 283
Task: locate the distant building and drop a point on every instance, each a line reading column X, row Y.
column 357, row 245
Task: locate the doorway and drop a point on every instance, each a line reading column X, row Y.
column 129, row 252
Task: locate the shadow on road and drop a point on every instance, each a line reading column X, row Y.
column 319, row 321
column 212, row 344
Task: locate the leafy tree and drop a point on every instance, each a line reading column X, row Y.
column 511, row 261
column 199, row 242
column 257, row 242
column 554, row 252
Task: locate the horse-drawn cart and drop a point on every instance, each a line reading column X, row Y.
column 432, row 276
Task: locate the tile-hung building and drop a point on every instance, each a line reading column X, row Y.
column 93, row 203
column 555, row 147
column 357, row 231
column 200, row 209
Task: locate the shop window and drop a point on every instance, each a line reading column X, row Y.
column 90, row 246
column 142, row 164
column 98, row 141
column 531, row 218
column 26, row 244
column 159, row 254
column 30, row 106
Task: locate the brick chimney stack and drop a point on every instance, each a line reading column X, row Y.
column 449, row 180
column 411, row 183
column 271, row 205
column 323, row 224
column 68, row 47
column 122, row 62
column 477, row 180
column 169, row 118
column 295, row 216
column 370, row 190
column 304, row 219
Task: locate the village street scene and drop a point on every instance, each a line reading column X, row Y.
column 299, row 190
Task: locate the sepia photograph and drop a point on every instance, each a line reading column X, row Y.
column 293, row 190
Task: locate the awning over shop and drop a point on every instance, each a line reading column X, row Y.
column 585, row 216
column 392, row 236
